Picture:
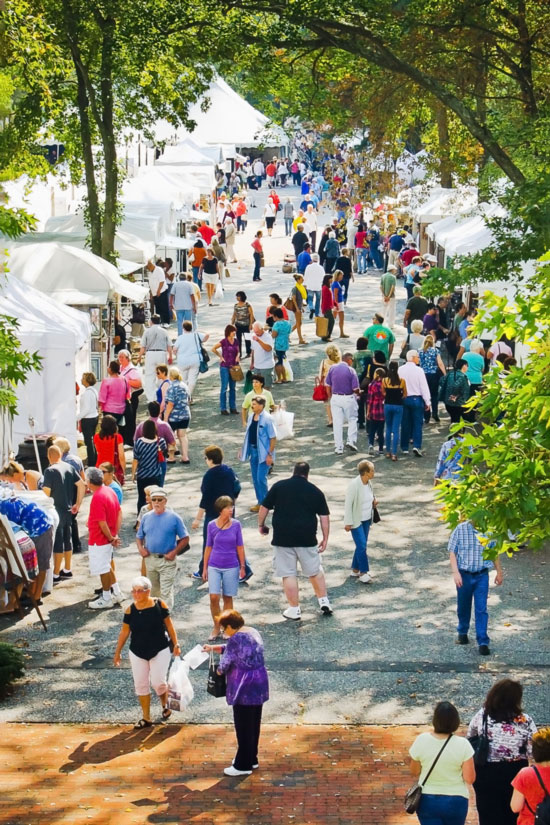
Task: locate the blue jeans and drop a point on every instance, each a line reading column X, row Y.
column 393, row 414
column 259, row 470
column 183, row 315
column 257, row 260
column 196, row 279
column 360, row 536
column 361, row 253
column 227, row 383
column 437, row 809
column 475, row 586
column 288, row 226
column 409, row 288
column 314, row 300
column 413, row 418
column 162, row 468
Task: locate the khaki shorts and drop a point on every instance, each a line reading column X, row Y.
column 285, row 561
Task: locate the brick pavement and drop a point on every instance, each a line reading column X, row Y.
column 308, row 775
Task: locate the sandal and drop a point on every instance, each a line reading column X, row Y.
column 166, row 713
column 143, row 723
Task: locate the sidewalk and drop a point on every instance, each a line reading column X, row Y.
column 308, row 775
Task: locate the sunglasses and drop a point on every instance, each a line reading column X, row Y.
column 159, row 499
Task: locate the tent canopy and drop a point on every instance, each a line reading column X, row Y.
column 70, row 275
column 462, row 235
column 440, row 202
column 188, row 153
column 71, row 230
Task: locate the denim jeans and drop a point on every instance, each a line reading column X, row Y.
column 183, row 315
column 436, row 809
column 475, row 587
column 288, row 226
column 259, row 470
column 360, row 536
column 195, row 270
column 413, row 418
column 433, row 383
column 393, row 414
column 227, row 383
column 257, row 260
column 314, row 300
column 361, row 253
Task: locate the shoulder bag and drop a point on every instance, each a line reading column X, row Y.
column 289, row 304
column 216, row 684
column 414, row 794
column 375, row 514
column 236, row 372
column 406, row 347
column 480, row 744
column 204, row 358
column 160, row 455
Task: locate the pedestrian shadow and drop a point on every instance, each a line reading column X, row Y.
column 123, row 743
column 185, row 802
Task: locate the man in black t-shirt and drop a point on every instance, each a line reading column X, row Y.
column 296, row 503
column 60, row 481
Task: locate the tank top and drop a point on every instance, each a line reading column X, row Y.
column 394, row 395
column 242, row 315
column 147, row 629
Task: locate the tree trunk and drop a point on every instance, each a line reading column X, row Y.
column 93, row 207
column 109, row 145
column 445, row 166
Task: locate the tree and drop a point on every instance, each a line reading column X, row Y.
column 88, row 71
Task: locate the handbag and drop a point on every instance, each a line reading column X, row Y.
column 204, row 358
column 248, row 382
column 375, row 515
column 480, row 744
column 320, row 392
column 414, row 794
column 236, row 373
column 289, row 304
column 216, row 684
column 406, row 347
column 227, row 273
column 160, row 455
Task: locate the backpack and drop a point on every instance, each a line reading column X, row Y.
column 542, row 811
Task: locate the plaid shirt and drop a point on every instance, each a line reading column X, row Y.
column 464, row 543
column 375, row 401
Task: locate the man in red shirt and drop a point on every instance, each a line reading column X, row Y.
column 206, row 232
column 270, row 172
column 408, row 254
column 104, row 521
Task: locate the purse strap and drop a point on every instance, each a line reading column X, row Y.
column 434, row 763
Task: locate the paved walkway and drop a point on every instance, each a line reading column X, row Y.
column 388, row 652
column 106, row 775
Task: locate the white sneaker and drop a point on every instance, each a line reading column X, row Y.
column 118, row 598
column 417, row 452
column 354, row 574
column 366, row 578
column 324, row 604
column 232, row 771
column 292, row 613
column 353, row 447
column 338, row 451
column 100, row 603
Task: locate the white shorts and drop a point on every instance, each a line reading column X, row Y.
column 99, row 558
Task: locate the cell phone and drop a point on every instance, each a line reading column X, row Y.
column 264, row 530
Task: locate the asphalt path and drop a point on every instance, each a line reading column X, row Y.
column 388, row 652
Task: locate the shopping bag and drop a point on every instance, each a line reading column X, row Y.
column 321, row 326
column 320, row 392
column 248, row 382
column 289, row 375
column 218, row 295
column 227, row 273
column 284, row 422
column 180, row 689
column 216, row 685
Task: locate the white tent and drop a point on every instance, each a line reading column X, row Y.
column 465, row 235
column 198, row 179
column 71, row 229
column 61, row 336
column 441, row 202
column 188, row 153
column 157, row 185
column 70, row 275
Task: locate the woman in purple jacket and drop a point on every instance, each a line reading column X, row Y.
column 247, row 687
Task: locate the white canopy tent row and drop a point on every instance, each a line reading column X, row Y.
column 61, row 336
column 430, row 203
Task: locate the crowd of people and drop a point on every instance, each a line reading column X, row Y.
column 391, row 395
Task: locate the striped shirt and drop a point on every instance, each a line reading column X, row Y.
column 146, row 453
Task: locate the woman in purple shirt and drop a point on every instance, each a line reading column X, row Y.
column 247, row 687
column 223, row 559
column 227, row 351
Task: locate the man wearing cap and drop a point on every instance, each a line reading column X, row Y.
column 104, row 521
column 388, row 283
column 161, row 537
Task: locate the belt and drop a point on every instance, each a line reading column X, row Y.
column 156, row 350
column 475, row 572
column 344, row 394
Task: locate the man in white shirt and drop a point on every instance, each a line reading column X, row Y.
column 310, row 225
column 159, row 291
column 262, row 361
column 313, row 281
column 259, row 170
column 417, row 400
column 155, row 345
column 183, row 300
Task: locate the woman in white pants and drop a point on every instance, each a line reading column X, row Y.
column 187, row 353
column 230, row 234
column 147, row 621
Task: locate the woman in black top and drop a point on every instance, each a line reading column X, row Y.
column 147, row 621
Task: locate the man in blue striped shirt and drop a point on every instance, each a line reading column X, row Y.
column 471, row 576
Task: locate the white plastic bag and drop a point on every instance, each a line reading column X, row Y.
column 284, row 422
column 180, row 689
column 218, row 295
column 289, row 375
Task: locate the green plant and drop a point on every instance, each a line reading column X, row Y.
column 11, row 665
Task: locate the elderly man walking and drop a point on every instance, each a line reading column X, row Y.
column 418, row 399
column 104, row 522
column 161, row 537
column 156, row 345
column 343, row 390
column 313, row 281
column 262, row 361
column 60, row 481
column 296, row 504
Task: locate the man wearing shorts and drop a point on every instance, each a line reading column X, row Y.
column 296, row 503
column 104, row 522
column 60, row 480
